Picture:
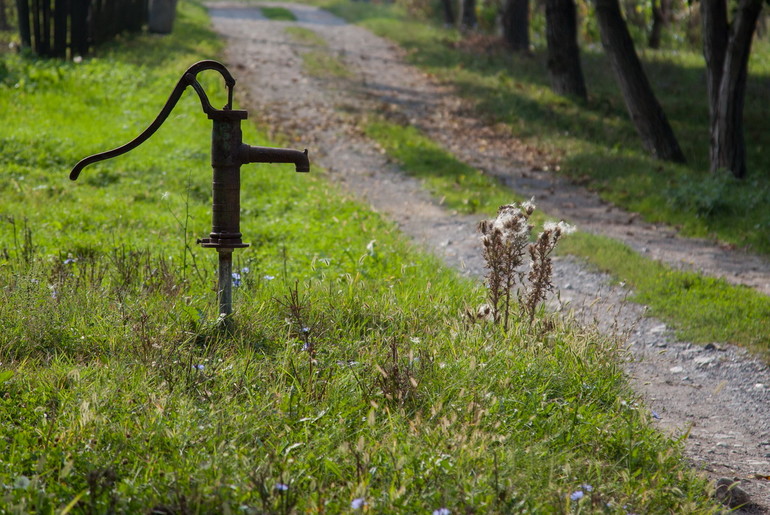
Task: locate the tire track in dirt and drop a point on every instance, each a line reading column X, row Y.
column 719, row 395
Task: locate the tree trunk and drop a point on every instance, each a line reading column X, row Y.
column 658, row 20
column 22, row 15
column 3, row 17
column 646, row 113
column 449, row 15
column 515, row 22
column 469, row 20
column 564, row 67
column 715, row 36
column 727, row 52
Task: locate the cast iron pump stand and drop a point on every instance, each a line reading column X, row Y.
column 228, row 153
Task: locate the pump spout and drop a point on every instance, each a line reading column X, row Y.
column 250, row 154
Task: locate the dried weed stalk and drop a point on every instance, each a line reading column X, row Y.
column 541, row 268
column 505, row 241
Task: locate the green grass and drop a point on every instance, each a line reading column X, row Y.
column 702, row 309
column 351, row 373
column 595, row 141
column 459, row 186
column 306, row 37
column 278, row 13
column 323, row 65
column 318, row 61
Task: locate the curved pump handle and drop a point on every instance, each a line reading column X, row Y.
column 189, row 78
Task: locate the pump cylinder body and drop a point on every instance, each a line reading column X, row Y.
column 226, row 143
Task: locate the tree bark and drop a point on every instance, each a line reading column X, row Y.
column 658, row 20
column 449, row 15
column 515, row 20
column 646, row 113
column 469, row 20
column 564, row 67
column 726, row 50
column 715, row 37
column 3, row 17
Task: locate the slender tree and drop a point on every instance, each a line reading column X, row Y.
column 449, row 15
column 515, row 21
column 564, row 67
column 3, row 16
column 469, row 20
column 661, row 15
column 646, row 113
column 726, row 48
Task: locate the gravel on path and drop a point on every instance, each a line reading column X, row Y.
column 717, row 397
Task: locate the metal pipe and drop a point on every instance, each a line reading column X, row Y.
column 251, row 154
column 225, row 285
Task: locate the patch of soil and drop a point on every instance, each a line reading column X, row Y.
column 716, row 397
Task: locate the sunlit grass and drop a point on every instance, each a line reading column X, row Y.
column 460, row 186
column 278, row 13
column 701, row 309
column 306, row 36
column 317, row 61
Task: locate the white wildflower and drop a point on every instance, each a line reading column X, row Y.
column 484, row 312
column 528, row 206
column 566, row 228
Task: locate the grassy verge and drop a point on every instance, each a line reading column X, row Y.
column 278, row 13
column 459, row 186
column 701, row 309
column 316, row 60
column 595, row 141
column 306, row 37
column 351, row 381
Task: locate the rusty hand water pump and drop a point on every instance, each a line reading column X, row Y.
column 228, row 153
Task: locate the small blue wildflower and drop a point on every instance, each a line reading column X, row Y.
column 655, row 415
column 281, row 487
column 587, row 487
column 576, row 495
column 245, row 270
column 357, row 503
column 305, row 330
column 200, row 366
column 236, row 279
column 69, row 261
column 268, row 277
column 442, row 511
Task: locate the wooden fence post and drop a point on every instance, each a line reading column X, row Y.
column 22, row 11
column 51, row 27
column 78, row 27
column 60, row 11
column 4, row 25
